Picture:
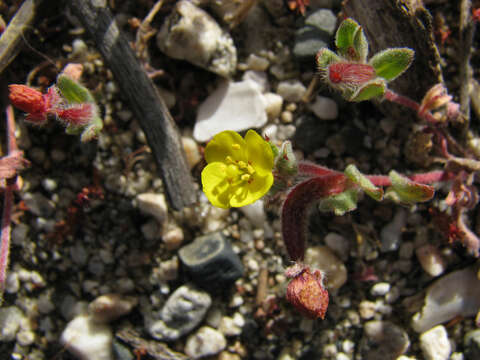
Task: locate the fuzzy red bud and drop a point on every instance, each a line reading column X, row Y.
column 306, row 291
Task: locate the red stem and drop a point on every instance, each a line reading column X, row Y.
column 7, row 204
column 409, row 103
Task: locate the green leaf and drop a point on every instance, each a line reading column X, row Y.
column 408, row 191
column 360, row 44
column 341, row 203
column 351, row 41
column 72, row 91
column 369, row 90
column 390, row 63
column 325, row 57
column 363, row 182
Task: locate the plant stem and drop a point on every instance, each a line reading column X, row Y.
column 7, row 204
column 409, row 103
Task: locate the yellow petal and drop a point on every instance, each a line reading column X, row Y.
column 215, row 185
column 226, row 143
column 253, row 191
column 259, row 153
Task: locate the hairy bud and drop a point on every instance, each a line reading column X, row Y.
column 306, row 291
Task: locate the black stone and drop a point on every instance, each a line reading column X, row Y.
column 211, row 261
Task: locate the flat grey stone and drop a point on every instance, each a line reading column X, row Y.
column 183, row 311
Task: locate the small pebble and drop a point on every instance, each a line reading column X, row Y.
column 274, row 103
column 205, row 342
column 391, row 234
column 380, row 289
column 257, row 63
column 324, row 108
column 154, row 205
column 321, row 257
column 88, row 340
column 183, row 311
column 107, row 308
column 431, row 260
column 211, row 261
column 291, row 90
column 10, row 319
column 435, row 344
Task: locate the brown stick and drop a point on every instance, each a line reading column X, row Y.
column 13, row 35
column 467, row 29
column 147, row 105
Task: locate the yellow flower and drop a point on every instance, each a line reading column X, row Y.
column 239, row 171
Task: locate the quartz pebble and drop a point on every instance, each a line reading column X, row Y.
column 154, row 205
column 232, row 106
column 257, row 63
column 110, row 307
column 182, row 312
column 291, row 90
column 191, row 151
column 10, row 319
column 189, row 33
column 391, row 234
column 205, row 342
column 380, row 289
column 324, row 108
column 259, row 78
column 455, row 294
column 211, row 261
column 435, row 344
column 321, row 257
column 471, row 342
column 274, row 103
column 431, row 260
column 390, row 340
column 88, row 340
column 255, row 213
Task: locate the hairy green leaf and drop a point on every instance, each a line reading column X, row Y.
column 355, row 176
column 344, row 39
column 360, row 44
column 408, row 191
column 372, row 89
column 341, row 203
column 72, row 91
column 390, row 63
column 325, row 57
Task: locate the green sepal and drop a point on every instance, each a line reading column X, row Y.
column 350, row 41
column 360, row 44
column 72, row 91
column 341, row 203
column 286, row 162
column 355, row 176
column 371, row 89
column 390, row 63
column 406, row 190
column 326, row 57
column 92, row 130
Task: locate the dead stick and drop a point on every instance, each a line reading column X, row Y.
column 147, row 105
column 466, row 38
column 10, row 40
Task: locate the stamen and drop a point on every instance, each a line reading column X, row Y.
column 236, row 146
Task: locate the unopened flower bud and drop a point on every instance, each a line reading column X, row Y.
column 306, row 291
column 29, row 100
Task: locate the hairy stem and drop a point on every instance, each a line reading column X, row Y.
column 296, row 206
column 409, row 103
column 7, row 204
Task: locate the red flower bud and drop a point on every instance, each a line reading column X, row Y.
column 349, row 75
column 306, row 291
column 29, row 100
column 78, row 114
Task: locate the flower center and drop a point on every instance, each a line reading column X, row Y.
column 238, row 171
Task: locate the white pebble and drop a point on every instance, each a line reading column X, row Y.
column 205, row 342
column 435, row 344
column 274, row 105
column 88, row 340
column 154, row 205
column 291, row 90
column 431, row 260
column 324, row 108
column 257, row 63
column 380, row 289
